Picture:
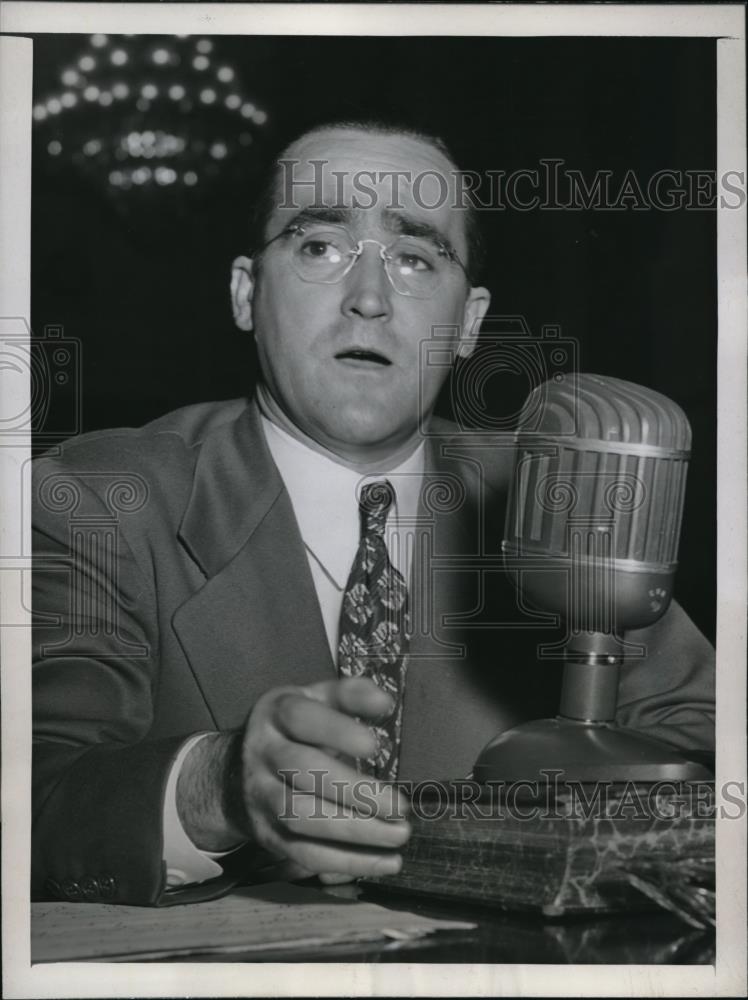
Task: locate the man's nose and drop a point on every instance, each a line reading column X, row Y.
column 367, row 288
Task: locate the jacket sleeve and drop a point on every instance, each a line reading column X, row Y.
column 669, row 693
column 98, row 781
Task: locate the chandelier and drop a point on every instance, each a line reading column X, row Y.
column 136, row 114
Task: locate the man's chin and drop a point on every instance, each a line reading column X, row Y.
column 374, row 435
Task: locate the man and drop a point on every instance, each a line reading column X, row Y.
column 276, row 625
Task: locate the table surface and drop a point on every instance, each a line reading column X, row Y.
column 643, row 938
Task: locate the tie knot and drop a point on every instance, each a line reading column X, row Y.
column 374, row 503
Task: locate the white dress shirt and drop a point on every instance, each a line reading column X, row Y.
column 324, row 494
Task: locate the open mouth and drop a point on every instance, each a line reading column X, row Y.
column 363, row 357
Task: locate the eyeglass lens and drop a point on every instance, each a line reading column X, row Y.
column 322, row 254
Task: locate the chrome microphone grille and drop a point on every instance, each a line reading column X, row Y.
column 600, row 477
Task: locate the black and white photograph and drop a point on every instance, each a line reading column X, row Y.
column 373, row 446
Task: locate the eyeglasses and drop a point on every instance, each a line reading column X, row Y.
column 324, row 254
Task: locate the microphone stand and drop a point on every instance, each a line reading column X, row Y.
column 583, row 740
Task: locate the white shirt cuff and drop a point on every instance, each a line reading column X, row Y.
column 185, row 863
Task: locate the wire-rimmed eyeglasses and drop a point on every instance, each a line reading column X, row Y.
column 323, row 254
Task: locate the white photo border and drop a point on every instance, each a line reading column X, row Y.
column 728, row 977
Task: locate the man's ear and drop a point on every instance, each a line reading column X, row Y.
column 476, row 307
column 242, row 292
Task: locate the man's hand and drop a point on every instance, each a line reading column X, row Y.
column 288, row 782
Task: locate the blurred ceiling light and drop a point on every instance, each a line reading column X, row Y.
column 174, row 150
column 165, row 175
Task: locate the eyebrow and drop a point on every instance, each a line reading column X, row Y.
column 405, row 225
column 399, row 223
column 322, row 213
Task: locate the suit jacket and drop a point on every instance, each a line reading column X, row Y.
column 171, row 589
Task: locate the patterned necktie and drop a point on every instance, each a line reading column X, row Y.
column 374, row 624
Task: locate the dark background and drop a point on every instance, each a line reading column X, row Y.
column 141, row 277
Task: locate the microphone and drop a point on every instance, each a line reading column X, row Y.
column 592, row 529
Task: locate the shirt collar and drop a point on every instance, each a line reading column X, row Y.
column 324, row 495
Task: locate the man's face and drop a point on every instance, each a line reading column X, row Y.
column 344, row 360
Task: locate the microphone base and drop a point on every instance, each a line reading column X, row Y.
column 583, row 751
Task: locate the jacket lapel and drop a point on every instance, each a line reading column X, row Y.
column 256, row 622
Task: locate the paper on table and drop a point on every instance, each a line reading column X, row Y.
column 255, row 919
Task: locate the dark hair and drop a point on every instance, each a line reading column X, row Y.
column 266, row 200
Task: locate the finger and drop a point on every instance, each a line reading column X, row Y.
column 329, row 821
column 281, row 871
column 320, row 856
column 354, row 696
column 335, row 878
column 291, row 871
column 309, row 771
column 305, row 720
column 306, row 855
